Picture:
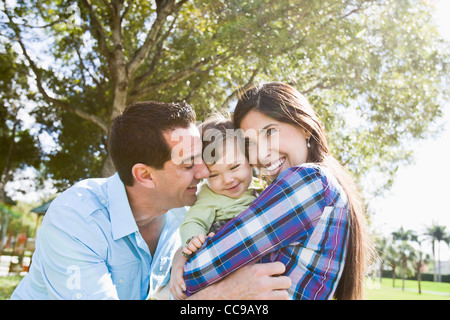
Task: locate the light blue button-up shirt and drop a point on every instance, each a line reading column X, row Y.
column 89, row 247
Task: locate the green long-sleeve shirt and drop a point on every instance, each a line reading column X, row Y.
column 211, row 207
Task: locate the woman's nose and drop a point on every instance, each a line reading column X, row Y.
column 264, row 154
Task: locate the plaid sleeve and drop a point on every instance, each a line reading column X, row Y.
column 286, row 212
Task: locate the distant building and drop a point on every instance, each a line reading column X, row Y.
column 445, row 267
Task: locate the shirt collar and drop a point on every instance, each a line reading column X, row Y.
column 122, row 219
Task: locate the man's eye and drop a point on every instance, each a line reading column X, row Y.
column 212, row 176
column 189, row 167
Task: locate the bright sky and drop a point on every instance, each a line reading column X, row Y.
column 421, row 191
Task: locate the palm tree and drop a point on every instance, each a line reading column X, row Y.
column 420, row 263
column 406, row 251
column 381, row 246
column 404, row 235
column 436, row 233
column 391, row 258
column 407, row 257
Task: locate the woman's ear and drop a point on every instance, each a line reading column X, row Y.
column 143, row 175
column 307, row 134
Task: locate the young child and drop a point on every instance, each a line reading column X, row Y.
column 229, row 189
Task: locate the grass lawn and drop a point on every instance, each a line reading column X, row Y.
column 374, row 290
column 385, row 291
column 7, row 286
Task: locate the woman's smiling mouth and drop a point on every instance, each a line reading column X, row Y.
column 275, row 167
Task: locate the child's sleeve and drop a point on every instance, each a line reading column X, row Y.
column 200, row 217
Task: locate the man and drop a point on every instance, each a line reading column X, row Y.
column 115, row 238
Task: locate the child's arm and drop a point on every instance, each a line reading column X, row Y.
column 200, row 216
column 194, row 244
column 177, row 285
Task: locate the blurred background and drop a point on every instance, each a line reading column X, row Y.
column 376, row 71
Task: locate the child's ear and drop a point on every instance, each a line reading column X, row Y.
column 143, row 175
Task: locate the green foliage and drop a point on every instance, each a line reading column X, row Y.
column 18, row 146
column 7, row 286
column 375, row 70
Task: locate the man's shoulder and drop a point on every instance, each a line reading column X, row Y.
column 84, row 197
column 71, row 216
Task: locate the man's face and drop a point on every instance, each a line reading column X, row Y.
column 178, row 180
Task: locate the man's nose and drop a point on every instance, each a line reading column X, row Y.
column 202, row 171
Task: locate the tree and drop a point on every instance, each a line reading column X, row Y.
column 381, row 246
column 419, row 264
column 437, row 233
column 391, row 257
column 374, row 69
column 405, row 250
column 18, row 147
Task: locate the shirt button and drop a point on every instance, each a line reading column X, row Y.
column 121, row 281
column 78, row 295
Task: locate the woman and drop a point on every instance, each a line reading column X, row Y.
column 310, row 217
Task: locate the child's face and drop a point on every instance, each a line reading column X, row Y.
column 230, row 176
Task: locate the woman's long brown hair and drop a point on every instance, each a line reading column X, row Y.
column 285, row 104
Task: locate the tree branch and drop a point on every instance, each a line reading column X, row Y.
column 164, row 9
column 70, row 108
column 97, row 30
column 183, row 74
column 127, row 8
column 116, row 23
column 238, row 91
column 159, row 50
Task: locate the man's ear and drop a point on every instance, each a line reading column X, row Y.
column 143, row 175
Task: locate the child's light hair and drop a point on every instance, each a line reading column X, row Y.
column 219, row 136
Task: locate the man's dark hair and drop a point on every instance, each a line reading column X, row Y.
column 137, row 135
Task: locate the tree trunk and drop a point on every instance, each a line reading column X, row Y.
column 393, row 277
column 121, row 81
column 439, row 260
column 434, row 260
column 108, row 167
column 119, row 104
column 403, row 274
column 419, row 276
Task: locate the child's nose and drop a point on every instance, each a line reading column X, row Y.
column 228, row 178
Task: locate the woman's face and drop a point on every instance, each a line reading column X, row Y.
column 276, row 145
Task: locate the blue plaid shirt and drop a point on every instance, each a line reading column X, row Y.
column 301, row 219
